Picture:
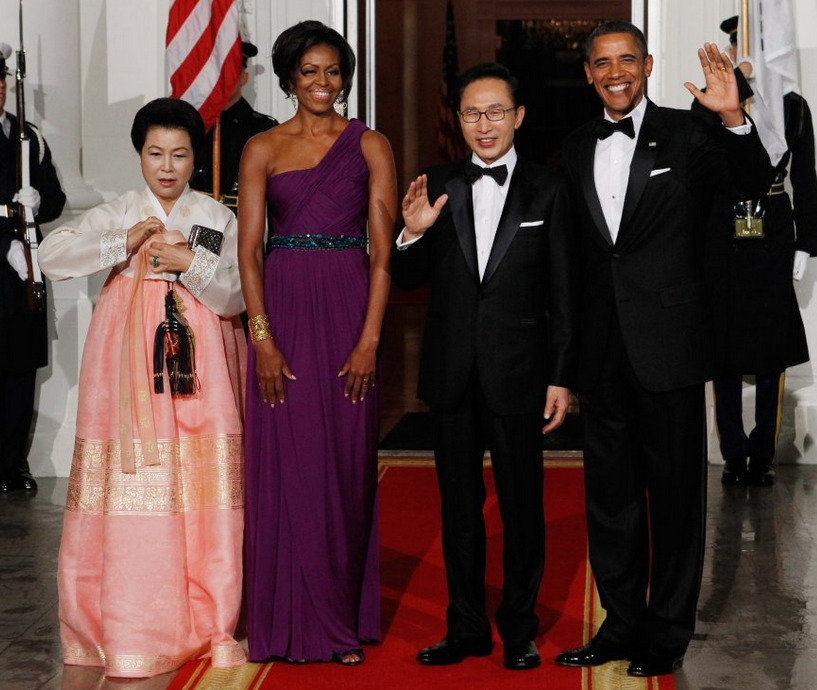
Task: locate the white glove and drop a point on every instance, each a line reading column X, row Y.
column 16, row 256
column 800, row 264
column 30, row 197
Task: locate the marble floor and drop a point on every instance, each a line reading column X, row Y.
column 757, row 613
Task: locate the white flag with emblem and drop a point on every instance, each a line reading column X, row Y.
column 772, row 49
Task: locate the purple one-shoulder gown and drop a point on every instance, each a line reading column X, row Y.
column 311, row 463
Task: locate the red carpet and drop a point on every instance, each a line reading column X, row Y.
column 414, row 600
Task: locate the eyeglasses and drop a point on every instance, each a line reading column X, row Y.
column 494, row 114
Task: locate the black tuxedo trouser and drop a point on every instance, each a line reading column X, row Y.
column 645, row 485
column 759, row 445
column 461, row 436
column 16, row 413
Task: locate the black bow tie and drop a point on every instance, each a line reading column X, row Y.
column 473, row 172
column 604, row 128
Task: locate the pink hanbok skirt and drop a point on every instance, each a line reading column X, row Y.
column 150, row 565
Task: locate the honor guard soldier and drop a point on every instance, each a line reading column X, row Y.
column 23, row 334
column 239, row 122
column 756, row 248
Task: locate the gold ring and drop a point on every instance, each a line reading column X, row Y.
column 722, row 68
column 155, row 262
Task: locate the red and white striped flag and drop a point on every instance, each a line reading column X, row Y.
column 204, row 53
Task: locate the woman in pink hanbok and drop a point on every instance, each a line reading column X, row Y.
column 150, row 569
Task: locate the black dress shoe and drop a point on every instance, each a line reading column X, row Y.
column 453, row 651
column 595, row 653
column 734, row 473
column 25, row 482
column 22, row 481
column 760, row 474
column 650, row 664
column 521, row 657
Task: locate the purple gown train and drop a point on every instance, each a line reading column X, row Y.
column 311, row 463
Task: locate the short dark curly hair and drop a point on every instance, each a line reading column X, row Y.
column 167, row 113
column 616, row 26
column 290, row 46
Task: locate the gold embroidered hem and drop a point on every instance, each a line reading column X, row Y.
column 227, row 656
column 123, row 665
column 197, row 473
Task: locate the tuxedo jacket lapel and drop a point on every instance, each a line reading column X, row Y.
column 462, row 210
column 641, row 166
column 513, row 211
column 586, row 157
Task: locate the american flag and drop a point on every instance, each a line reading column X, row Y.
column 204, row 53
column 449, row 137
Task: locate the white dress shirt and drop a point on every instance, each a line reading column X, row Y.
column 5, row 123
column 611, row 166
column 488, row 199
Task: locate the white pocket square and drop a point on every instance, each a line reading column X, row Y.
column 659, row 171
column 531, row 223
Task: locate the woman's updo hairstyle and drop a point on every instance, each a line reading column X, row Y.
column 167, row 113
column 291, row 45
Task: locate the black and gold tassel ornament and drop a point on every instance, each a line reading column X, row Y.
column 175, row 345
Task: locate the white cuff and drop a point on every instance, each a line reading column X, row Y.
column 405, row 245
column 201, row 271
column 113, row 248
column 740, row 130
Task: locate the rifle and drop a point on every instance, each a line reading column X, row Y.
column 26, row 226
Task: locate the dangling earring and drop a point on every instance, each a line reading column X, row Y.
column 294, row 100
column 340, row 105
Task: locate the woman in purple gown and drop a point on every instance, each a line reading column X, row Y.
column 316, row 306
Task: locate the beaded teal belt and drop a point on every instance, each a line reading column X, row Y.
column 316, row 242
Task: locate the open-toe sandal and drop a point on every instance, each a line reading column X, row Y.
column 342, row 657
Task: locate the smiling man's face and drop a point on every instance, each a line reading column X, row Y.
column 618, row 70
column 490, row 139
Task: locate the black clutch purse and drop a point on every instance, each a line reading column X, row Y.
column 208, row 238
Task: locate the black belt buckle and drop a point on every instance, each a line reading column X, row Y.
column 748, row 220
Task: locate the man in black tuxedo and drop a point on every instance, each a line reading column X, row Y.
column 642, row 180
column 491, row 234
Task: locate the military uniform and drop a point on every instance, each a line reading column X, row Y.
column 23, row 334
column 759, row 330
column 238, row 124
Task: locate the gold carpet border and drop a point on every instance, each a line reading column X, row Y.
column 242, row 677
column 195, row 473
column 612, row 675
column 419, row 461
column 196, row 675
